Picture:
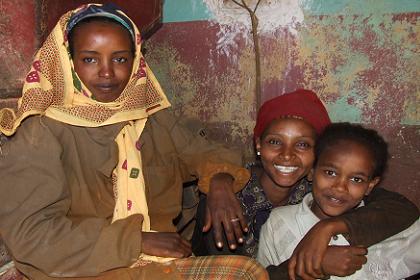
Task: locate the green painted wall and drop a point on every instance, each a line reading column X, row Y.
column 184, row 10
column 192, row 10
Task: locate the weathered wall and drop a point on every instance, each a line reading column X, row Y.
column 17, row 44
column 360, row 56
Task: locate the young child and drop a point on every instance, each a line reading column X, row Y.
column 91, row 177
column 350, row 161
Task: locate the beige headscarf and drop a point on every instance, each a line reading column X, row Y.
column 52, row 88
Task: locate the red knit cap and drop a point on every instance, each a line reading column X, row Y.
column 300, row 103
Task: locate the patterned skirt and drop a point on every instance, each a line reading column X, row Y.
column 220, row 267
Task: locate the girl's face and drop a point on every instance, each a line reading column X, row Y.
column 287, row 152
column 103, row 58
column 342, row 177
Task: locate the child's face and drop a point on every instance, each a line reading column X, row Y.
column 342, row 177
column 103, row 58
column 287, row 151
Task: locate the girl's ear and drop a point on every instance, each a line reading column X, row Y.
column 310, row 175
column 372, row 184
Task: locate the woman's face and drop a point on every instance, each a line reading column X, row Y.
column 287, row 151
column 103, row 58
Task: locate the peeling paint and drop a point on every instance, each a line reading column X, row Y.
column 17, row 42
column 363, row 65
column 176, row 77
column 372, row 58
column 359, row 7
column 234, row 21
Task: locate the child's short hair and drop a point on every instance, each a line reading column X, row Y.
column 369, row 138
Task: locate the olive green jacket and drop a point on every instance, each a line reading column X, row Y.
column 57, row 198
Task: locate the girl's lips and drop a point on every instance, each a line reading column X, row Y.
column 336, row 199
column 106, row 87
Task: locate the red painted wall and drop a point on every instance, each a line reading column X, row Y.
column 18, row 44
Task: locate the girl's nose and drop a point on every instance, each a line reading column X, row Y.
column 340, row 184
column 106, row 71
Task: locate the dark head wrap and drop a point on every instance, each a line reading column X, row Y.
column 108, row 10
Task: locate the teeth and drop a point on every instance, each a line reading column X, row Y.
column 335, row 200
column 286, row 169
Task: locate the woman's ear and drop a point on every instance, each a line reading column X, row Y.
column 258, row 145
column 372, row 184
column 310, row 175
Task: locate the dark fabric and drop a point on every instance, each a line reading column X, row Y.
column 279, row 272
column 108, row 10
column 387, row 214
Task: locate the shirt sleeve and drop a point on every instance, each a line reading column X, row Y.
column 385, row 214
column 35, row 219
column 266, row 246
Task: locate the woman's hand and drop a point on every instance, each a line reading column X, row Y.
column 165, row 244
column 343, row 260
column 224, row 212
column 307, row 257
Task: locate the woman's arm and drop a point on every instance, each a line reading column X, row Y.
column 386, row 213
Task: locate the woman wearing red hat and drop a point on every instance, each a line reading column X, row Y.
column 285, row 133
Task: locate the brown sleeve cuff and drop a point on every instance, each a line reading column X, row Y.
column 208, row 170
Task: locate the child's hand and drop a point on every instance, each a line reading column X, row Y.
column 343, row 260
column 307, row 257
column 224, row 212
column 165, row 244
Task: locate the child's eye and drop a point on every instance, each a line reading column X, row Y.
column 330, row 173
column 357, row 180
column 89, row 60
column 120, row 59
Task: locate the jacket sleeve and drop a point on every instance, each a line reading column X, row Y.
column 385, row 214
column 34, row 213
column 202, row 157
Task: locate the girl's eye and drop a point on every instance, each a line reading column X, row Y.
column 120, row 59
column 274, row 142
column 357, row 180
column 89, row 60
column 330, row 173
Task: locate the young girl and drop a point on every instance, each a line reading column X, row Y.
column 96, row 162
column 350, row 161
column 285, row 134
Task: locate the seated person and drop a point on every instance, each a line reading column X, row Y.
column 91, row 177
column 285, row 133
column 350, row 161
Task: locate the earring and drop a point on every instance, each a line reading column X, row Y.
column 258, row 153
